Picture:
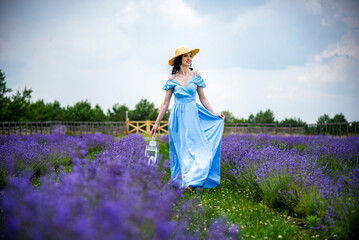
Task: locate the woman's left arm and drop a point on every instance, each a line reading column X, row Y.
column 206, row 103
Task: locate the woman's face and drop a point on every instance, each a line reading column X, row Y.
column 187, row 59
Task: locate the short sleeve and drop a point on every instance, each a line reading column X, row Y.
column 199, row 81
column 169, row 84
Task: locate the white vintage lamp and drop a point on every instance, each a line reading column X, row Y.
column 152, row 151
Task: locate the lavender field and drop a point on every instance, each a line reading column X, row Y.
column 93, row 187
column 100, row 187
column 312, row 178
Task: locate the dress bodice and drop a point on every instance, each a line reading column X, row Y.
column 184, row 94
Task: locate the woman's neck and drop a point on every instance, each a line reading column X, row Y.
column 184, row 70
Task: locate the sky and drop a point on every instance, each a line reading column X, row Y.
column 298, row 58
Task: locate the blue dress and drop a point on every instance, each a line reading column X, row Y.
column 195, row 137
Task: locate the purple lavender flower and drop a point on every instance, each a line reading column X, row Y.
column 117, row 195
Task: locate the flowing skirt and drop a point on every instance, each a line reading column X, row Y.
column 195, row 137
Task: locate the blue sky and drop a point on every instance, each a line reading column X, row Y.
column 299, row 58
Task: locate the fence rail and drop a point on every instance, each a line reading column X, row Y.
column 122, row 128
column 333, row 129
column 260, row 128
column 146, row 126
column 69, row 127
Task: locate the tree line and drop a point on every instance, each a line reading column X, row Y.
column 19, row 107
column 268, row 117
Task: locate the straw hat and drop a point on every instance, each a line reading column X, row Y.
column 182, row 50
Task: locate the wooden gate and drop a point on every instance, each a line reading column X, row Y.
column 146, row 126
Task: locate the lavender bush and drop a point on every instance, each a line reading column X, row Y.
column 117, row 195
column 35, row 155
column 164, row 139
column 313, row 177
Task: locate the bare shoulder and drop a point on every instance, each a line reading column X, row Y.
column 197, row 73
column 170, row 77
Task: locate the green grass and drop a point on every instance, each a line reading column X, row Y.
column 93, row 152
column 256, row 219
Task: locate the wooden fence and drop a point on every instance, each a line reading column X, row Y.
column 146, row 126
column 268, row 128
column 333, row 129
column 123, row 128
column 68, row 127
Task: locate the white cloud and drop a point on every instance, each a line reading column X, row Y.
column 128, row 15
column 347, row 12
column 313, row 6
column 98, row 39
column 295, row 91
column 180, row 14
column 347, row 47
column 119, row 55
column 250, row 19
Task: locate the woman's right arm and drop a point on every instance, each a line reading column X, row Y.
column 163, row 109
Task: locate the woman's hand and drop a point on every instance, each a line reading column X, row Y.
column 154, row 130
column 220, row 115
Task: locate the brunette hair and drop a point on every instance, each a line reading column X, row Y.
column 177, row 64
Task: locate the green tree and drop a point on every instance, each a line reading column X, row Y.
column 81, row 111
column 38, row 111
column 19, row 106
column 41, row 111
column 265, row 117
column 240, row 120
column 5, row 101
column 251, row 118
column 97, row 114
column 118, row 112
column 332, row 129
column 292, row 121
column 339, row 118
column 3, row 88
column 324, row 119
column 54, row 111
column 144, row 110
column 229, row 116
column 14, row 108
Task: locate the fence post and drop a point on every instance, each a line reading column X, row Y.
column 276, row 129
column 127, row 126
column 340, row 130
column 148, row 126
column 290, row 129
column 326, row 129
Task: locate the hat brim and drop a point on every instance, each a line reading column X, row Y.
column 193, row 51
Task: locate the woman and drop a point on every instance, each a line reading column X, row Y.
column 195, row 133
